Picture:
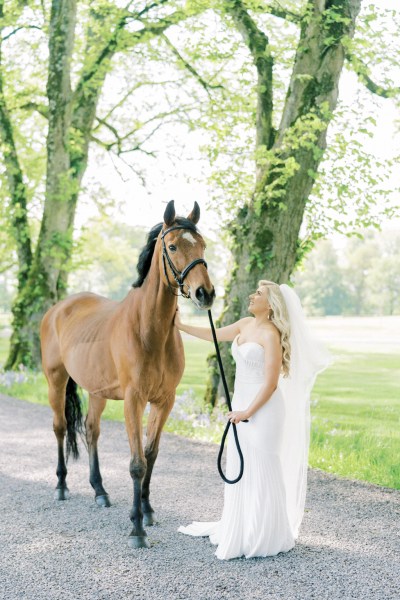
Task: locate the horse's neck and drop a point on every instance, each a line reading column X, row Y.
column 156, row 308
column 160, row 302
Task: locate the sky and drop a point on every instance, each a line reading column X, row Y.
column 137, row 206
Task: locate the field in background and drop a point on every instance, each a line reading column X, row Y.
column 355, row 403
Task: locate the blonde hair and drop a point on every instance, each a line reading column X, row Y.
column 280, row 318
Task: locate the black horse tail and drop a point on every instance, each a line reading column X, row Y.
column 74, row 416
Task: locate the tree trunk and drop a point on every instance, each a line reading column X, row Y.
column 265, row 235
column 71, row 117
column 55, row 237
column 16, row 187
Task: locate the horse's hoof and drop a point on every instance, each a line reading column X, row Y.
column 138, row 541
column 148, row 519
column 103, row 501
column 61, row 494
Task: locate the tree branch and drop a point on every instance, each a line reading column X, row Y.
column 362, row 71
column 107, row 51
column 258, row 44
column 18, row 29
column 153, row 28
column 119, row 139
column 138, row 173
column 131, row 39
column 148, row 9
column 189, row 67
column 254, row 38
column 42, row 109
column 5, row 267
column 88, row 88
column 277, row 10
column 114, row 132
column 131, row 91
column 139, row 145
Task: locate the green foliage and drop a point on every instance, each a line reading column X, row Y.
column 350, row 189
column 334, row 24
column 371, row 57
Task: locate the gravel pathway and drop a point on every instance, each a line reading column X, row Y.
column 348, row 546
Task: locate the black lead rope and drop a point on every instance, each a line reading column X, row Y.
column 228, row 401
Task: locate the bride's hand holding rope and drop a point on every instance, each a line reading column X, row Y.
column 235, row 416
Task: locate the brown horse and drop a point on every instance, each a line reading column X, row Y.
column 128, row 350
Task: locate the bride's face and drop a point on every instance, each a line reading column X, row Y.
column 258, row 302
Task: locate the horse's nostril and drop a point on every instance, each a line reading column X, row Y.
column 205, row 298
column 200, row 294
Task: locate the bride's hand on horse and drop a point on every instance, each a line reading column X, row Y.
column 235, row 416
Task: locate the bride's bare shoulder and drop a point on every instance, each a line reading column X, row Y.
column 245, row 322
column 270, row 334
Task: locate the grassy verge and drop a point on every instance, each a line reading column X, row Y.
column 355, row 418
column 355, row 411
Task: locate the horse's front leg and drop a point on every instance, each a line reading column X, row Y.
column 157, row 418
column 134, row 408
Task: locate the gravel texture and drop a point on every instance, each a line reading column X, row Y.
column 348, row 545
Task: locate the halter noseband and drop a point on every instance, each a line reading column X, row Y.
column 179, row 276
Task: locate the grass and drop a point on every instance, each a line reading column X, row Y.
column 355, row 411
column 356, row 418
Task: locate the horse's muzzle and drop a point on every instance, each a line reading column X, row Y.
column 204, row 299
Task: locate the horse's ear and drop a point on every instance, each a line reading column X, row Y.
column 195, row 214
column 169, row 215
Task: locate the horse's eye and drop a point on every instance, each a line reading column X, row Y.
column 172, row 248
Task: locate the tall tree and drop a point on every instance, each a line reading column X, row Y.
column 265, row 230
column 70, row 111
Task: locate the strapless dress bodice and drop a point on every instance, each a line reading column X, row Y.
column 249, row 359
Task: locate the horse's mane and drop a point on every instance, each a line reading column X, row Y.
column 146, row 254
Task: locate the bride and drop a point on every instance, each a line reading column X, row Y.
column 276, row 365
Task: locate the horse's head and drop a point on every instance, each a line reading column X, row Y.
column 182, row 258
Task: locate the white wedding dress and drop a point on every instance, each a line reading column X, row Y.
column 255, row 519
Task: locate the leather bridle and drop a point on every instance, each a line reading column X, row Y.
column 179, row 276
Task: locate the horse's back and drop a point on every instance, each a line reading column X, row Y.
column 75, row 332
column 77, row 311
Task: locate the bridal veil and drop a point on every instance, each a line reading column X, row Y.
column 308, row 358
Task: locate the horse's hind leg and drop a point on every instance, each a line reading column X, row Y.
column 57, row 387
column 96, row 407
column 157, row 418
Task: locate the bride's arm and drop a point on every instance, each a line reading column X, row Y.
column 224, row 334
column 273, row 363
